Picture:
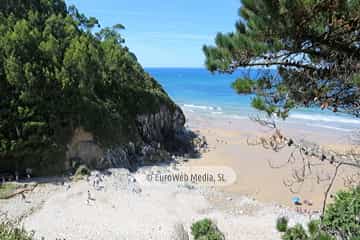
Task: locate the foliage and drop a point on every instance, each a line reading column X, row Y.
column 57, row 73
column 313, row 44
column 281, row 224
column 243, row 85
column 81, row 172
column 298, row 232
column 206, row 230
column 340, row 221
column 315, row 47
column 295, row 233
column 7, row 189
column 342, row 217
column 10, row 232
column 313, row 227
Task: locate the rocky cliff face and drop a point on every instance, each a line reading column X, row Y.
column 162, row 126
column 161, row 133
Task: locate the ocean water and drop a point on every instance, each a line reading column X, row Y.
column 198, row 90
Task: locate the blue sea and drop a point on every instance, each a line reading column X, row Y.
column 198, row 90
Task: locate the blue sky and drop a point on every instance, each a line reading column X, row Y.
column 165, row 33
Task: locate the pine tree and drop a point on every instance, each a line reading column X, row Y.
column 314, row 45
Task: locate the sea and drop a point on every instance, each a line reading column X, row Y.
column 198, row 90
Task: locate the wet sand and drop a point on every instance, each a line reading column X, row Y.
column 228, row 146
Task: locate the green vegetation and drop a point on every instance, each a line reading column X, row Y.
column 7, row 189
column 298, row 232
column 342, row 217
column 243, row 85
column 9, row 232
column 314, row 51
column 58, row 73
column 313, row 44
column 295, row 233
column 281, row 224
column 206, row 230
column 340, row 221
column 81, row 172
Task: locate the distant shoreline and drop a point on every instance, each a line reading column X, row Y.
column 199, row 91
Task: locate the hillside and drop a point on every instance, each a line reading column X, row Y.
column 73, row 93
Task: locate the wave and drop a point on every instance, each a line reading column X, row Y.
column 203, row 107
column 235, row 116
column 331, row 127
column 314, row 119
column 324, row 118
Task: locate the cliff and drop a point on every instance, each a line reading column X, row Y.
column 155, row 136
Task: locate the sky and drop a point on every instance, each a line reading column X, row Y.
column 165, row 33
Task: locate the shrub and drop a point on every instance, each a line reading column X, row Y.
column 299, row 233
column 282, row 224
column 314, row 227
column 342, row 217
column 341, row 220
column 206, row 230
column 9, row 232
column 295, row 233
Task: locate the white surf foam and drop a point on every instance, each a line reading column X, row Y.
column 202, row 107
column 331, row 127
column 217, row 112
column 324, row 118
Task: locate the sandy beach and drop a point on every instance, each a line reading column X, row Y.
column 261, row 173
column 179, row 120
column 118, row 204
column 124, row 207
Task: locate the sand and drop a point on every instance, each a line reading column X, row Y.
column 258, row 170
column 126, row 205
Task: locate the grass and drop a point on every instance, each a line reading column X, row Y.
column 9, row 232
column 7, row 189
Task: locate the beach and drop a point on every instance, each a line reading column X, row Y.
column 128, row 206
column 261, row 173
column 179, row 120
column 118, row 204
column 258, row 185
column 123, row 206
